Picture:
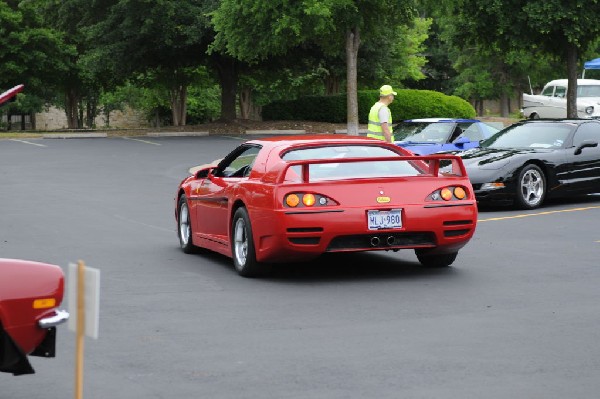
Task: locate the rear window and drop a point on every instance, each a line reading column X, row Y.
column 339, row 151
column 347, row 170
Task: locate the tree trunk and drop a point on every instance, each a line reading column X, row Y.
column 91, row 111
column 572, row 81
column 156, row 117
column 479, row 107
column 255, row 113
column 80, row 114
column 175, row 111
column 71, row 101
column 352, row 45
column 183, row 100
column 245, row 102
column 504, row 105
column 332, row 85
column 227, row 69
column 178, row 99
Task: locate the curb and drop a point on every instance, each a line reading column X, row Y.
column 345, row 131
column 175, row 134
column 275, row 131
column 85, row 135
column 73, row 135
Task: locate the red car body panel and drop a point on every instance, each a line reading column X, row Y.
column 8, row 94
column 21, row 283
column 283, row 235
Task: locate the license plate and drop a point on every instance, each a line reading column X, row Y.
column 385, row 219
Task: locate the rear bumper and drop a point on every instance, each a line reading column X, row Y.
column 60, row 317
column 306, row 235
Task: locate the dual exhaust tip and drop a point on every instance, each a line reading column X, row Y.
column 376, row 241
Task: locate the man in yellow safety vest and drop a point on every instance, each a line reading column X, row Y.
column 380, row 116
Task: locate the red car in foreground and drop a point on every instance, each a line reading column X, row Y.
column 293, row 198
column 30, row 293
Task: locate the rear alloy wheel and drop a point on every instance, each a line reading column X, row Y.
column 242, row 245
column 184, row 226
column 531, row 187
column 437, row 260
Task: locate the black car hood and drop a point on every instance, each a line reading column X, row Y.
column 495, row 158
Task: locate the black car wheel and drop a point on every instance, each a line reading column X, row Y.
column 184, row 226
column 242, row 244
column 531, row 187
column 438, row 260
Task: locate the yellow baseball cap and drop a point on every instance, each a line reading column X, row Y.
column 386, row 90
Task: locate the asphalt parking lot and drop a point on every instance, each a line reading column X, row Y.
column 515, row 316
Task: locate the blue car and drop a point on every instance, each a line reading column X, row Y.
column 431, row 135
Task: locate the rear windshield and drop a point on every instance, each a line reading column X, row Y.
column 341, row 170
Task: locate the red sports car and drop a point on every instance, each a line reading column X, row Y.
column 30, row 293
column 293, row 198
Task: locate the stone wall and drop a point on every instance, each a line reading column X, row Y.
column 55, row 119
column 492, row 107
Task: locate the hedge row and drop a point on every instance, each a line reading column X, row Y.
column 409, row 104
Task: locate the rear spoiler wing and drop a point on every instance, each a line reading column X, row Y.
column 430, row 165
column 9, row 95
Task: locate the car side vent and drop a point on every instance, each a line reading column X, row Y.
column 456, row 233
column 457, row 222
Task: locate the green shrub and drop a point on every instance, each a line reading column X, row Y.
column 409, row 104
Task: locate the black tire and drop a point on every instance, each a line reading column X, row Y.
column 242, row 246
column 531, row 187
column 184, row 226
column 437, row 260
column 534, row 116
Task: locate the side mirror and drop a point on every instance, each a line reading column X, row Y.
column 462, row 140
column 203, row 173
column 584, row 144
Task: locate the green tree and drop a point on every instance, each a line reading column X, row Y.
column 77, row 87
column 166, row 39
column 554, row 28
column 275, row 27
column 31, row 53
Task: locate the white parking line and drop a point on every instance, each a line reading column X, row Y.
column 141, row 141
column 28, row 142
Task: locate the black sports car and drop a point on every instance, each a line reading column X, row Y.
column 532, row 160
